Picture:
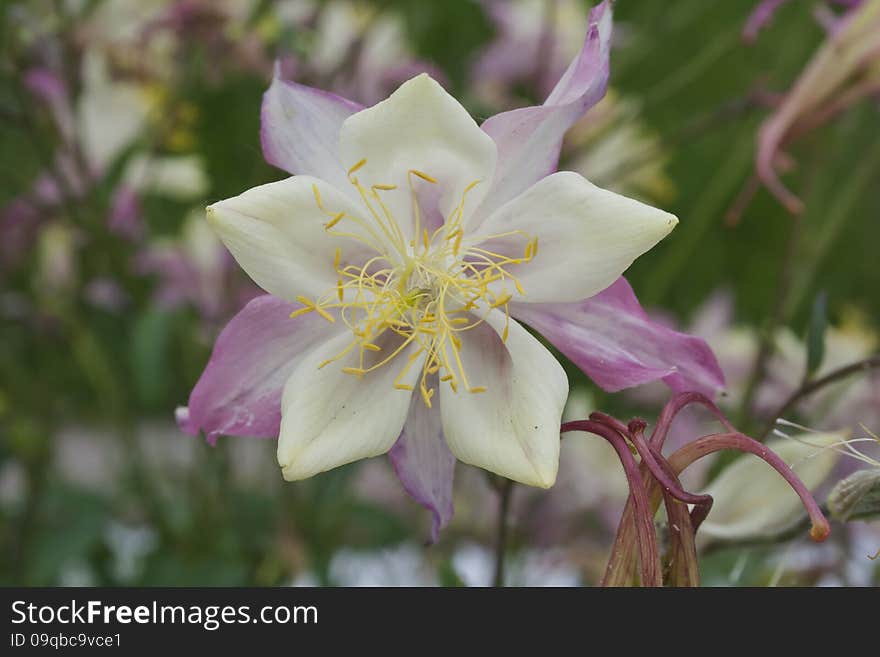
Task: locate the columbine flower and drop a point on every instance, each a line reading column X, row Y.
column 405, row 285
column 843, row 71
column 398, row 261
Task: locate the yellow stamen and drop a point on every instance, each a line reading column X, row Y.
column 502, row 300
column 335, row 220
column 421, row 290
column 423, row 176
column 426, row 394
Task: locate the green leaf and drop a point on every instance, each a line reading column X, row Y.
column 149, row 356
column 816, row 334
column 448, row 576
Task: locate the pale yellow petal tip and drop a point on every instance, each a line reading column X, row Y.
column 423, row 77
column 290, row 473
column 547, row 481
column 287, row 463
column 423, row 80
column 536, row 478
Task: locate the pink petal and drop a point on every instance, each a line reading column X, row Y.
column 125, row 214
column 529, row 138
column 760, row 17
column 239, row 393
column 511, row 57
column 300, row 130
column 424, row 464
column 49, row 88
column 612, row 339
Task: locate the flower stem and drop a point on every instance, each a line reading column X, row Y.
column 643, row 515
column 505, row 492
column 672, row 408
column 809, row 387
column 740, row 442
column 667, row 479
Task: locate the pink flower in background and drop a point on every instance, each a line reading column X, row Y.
column 359, row 51
column 763, row 13
column 195, row 270
column 399, row 258
column 96, row 131
column 534, row 42
column 844, row 70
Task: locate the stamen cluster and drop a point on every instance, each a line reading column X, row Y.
column 424, row 287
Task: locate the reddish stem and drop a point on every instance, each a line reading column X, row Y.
column 740, row 442
column 643, row 516
column 672, row 408
column 683, row 568
column 652, row 459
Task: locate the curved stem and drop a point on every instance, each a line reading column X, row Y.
column 784, row 536
column 613, row 422
column 672, row 408
column 683, row 568
column 651, row 458
column 740, row 442
column 669, row 480
column 643, row 516
column 505, row 491
column 810, row 387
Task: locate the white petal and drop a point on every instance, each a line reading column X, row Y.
column 420, row 127
column 330, row 418
column 181, row 177
column 587, row 236
column 752, row 500
column 276, row 233
column 511, row 429
column 110, row 114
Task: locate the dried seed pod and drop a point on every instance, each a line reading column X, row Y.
column 856, row 497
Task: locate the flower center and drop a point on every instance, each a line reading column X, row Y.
column 420, row 291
